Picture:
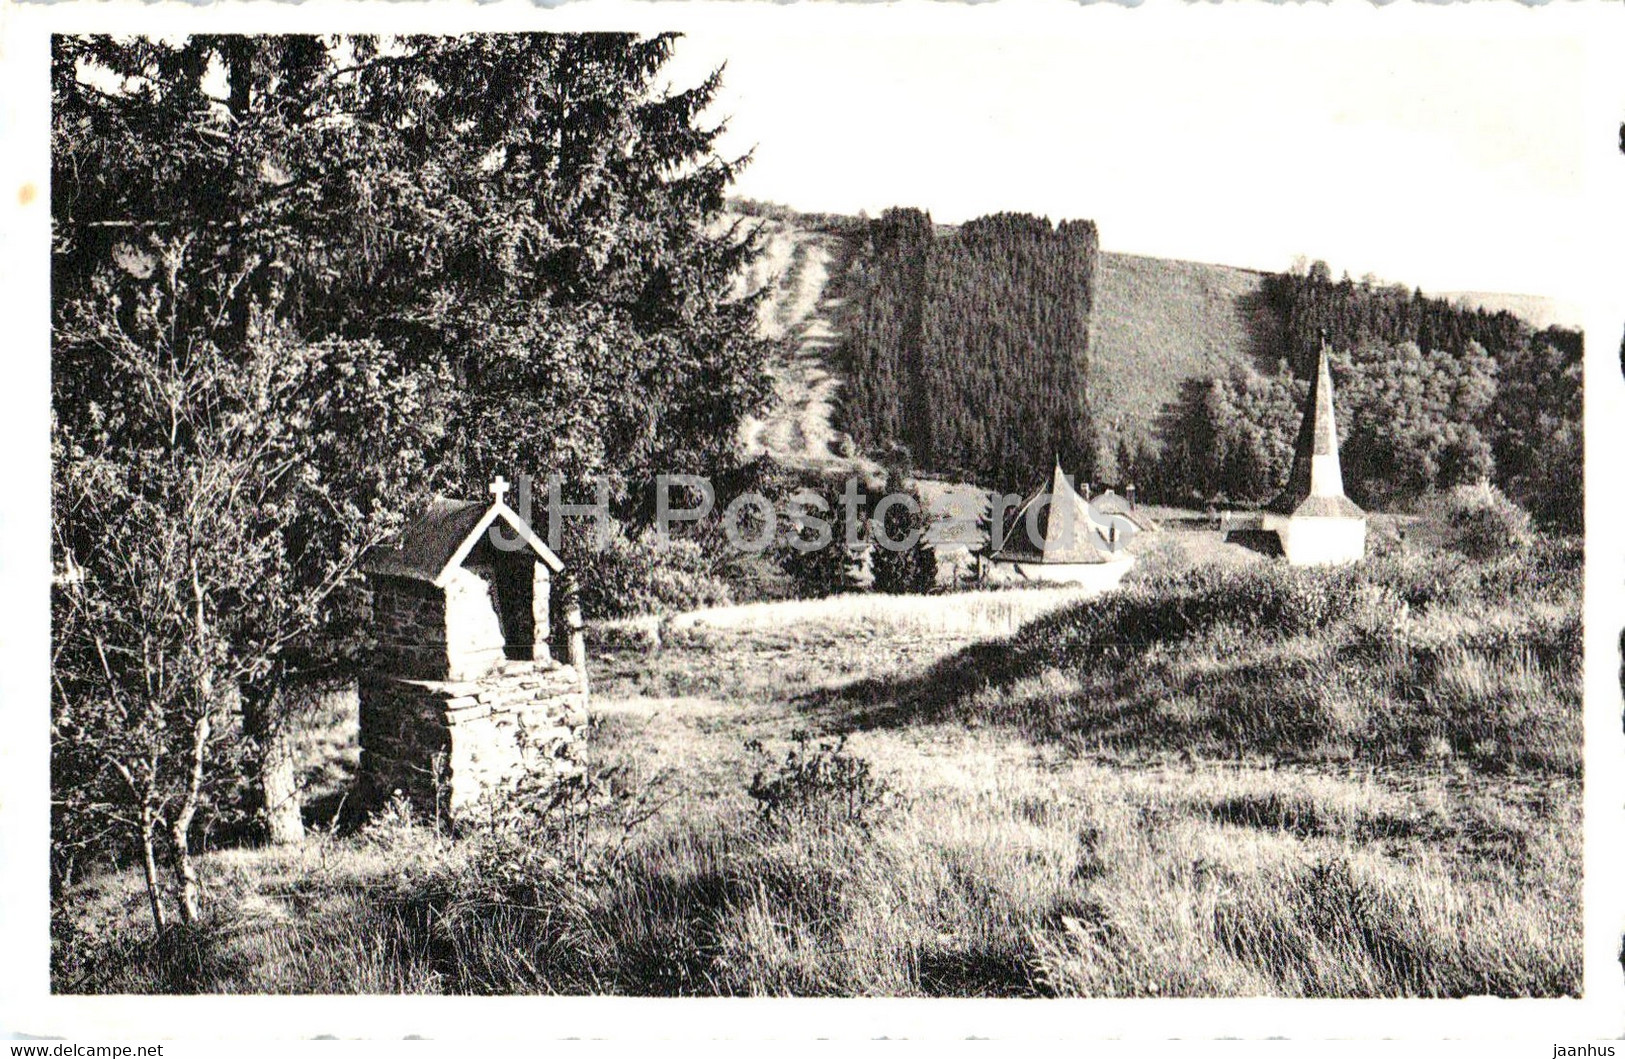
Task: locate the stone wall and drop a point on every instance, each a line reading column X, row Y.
column 447, row 745
column 409, row 628
column 467, row 628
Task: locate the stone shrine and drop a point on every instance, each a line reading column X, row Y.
column 463, row 697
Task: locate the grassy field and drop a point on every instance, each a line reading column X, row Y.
column 1227, row 779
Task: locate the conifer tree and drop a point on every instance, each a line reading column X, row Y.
column 568, row 263
column 299, row 281
column 815, row 557
column 899, row 566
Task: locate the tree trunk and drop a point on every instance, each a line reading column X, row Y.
column 276, row 774
column 189, row 892
column 149, row 869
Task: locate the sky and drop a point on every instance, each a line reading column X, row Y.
column 1445, row 160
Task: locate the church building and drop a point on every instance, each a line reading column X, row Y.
column 1313, row 521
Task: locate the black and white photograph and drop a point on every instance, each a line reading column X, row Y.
column 821, row 504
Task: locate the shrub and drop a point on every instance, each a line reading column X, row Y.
column 1483, row 524
column 819, row 783
column 1274, row 600
column 818, row 573
column 815, row 571
column 578, row 818
column 640, row 575
column 637, row 635
column 921, row 568
column 397, row 832
column 1545, row 571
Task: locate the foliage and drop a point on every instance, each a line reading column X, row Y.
column 1409, row 423
column 198, row 378
column 1483, row 523
column 1229, row 437
column 883, row 402
column 821, row 784
column 1310, row 308
column 971, row 348
column 211, row 508
column 562, row 255
column 815, row 557
column 1538, row 427
column 576, row 819
column 297, row 283
column 1413, row 420
column 833, row 222
column 920, row 572
column 637, row 572
column 910, row 563
column 1429, row 395
column 750, row 574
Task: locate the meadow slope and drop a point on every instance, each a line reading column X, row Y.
column 1156, row 323
column 1226, row 780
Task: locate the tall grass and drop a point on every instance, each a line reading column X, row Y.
column 1218, row 782
column 1104, row 885
column 1400, row 659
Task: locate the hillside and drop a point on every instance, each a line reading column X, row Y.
column 1156, row 323
column 804, row 270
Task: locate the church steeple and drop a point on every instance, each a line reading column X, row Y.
column 1315, row 487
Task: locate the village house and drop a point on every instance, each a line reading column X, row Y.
column 1054, row 536
column 1124, row 512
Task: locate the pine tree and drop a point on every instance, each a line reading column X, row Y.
column 901, row 569
column 820, row 567
column 921, row 571
column 567, row 264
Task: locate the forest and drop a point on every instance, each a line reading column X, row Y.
column 967, row 355
column 967, row 350
column 1429, row 395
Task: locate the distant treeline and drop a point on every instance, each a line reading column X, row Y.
column 1429, row 395
column 1308, row 304
column 967, row 355
column 774, row 211
column 967, row 350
